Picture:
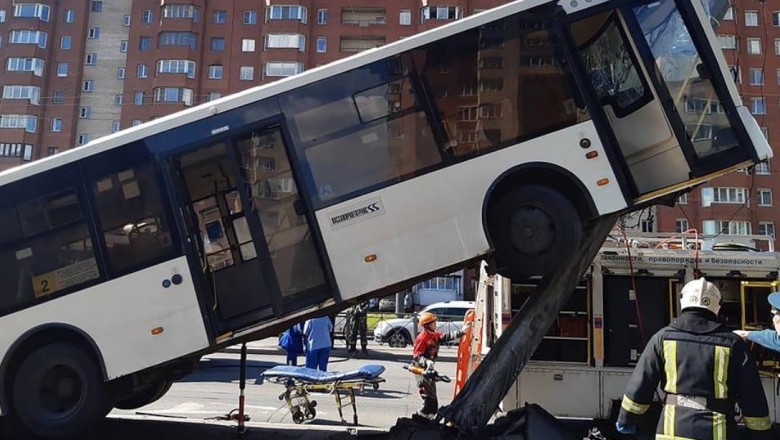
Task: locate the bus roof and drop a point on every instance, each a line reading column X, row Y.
column 254, row 94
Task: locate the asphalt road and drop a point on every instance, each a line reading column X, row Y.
column 193, row 407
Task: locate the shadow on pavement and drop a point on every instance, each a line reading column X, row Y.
column 227, row 370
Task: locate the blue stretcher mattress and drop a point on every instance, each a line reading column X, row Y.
column 310, row 375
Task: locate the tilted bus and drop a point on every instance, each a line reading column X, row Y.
column 496, row 136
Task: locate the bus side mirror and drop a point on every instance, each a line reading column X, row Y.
column 703, row 71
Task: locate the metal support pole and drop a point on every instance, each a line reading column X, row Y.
column 241, row 385
column 475, row 404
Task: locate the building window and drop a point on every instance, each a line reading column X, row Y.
column 118, row 99
column 34, row 65
column 765, row 132
column 181, row 11
column 93, row 33
column 766, row 228
column 322, row 44
column 647, row 225
column 246, row 73
column 751, row 18
column 248, row 45
column 683, row 199
column 173, row 94
column 219, row 17
column 123, row 46
column 53, row 150
column 756, row 77
column 28, row 122
column 137, row 122
column 758, row 106
column 59, row 97
column 283, row 68
column 65, row 42
column 215, row 71
column 70, row 16
column 32, row 10
column 82, row 139
column 177, row 66
column 218, row 44
column 147, row 16
column 30, row 93
column 250, row 17
column 85, row 112
column 97, row 7
column 764, row 197
column 177, row 38
column 754, row 46
column 142, row 71
column 776, row 18
column 56, row 125
column 723, row 195
column 729, row 15
column 322, row 16
column 727, row 41
column 144, row 43
column 726, row 227
column 214, row 95
column 16, row 150
column 88, row 86
column 279, row 12
column 405, row 17
column 138, row 98
column 62, row 69
column 28, row 37
column 681, row 225
column 126, row 21
column 763, row 168
column 440, row 13
column 285, row 41
column 120, row 72
column 115, row 126
column 91, row 59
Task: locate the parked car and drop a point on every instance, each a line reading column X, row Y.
column 398, row 332
column 387, row 304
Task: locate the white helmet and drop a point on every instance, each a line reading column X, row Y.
column 700, row 293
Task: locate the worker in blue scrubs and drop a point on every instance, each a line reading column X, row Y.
column 769, row 338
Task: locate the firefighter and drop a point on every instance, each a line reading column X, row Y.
column 359, row 315
column 425, row 352
column 703, row 369
column 769, row 338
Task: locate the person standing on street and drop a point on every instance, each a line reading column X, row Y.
column 292, row 343
column 769, row 338
column 425, row 352
column 359, row 325
column 318, row 342
column 703, row 369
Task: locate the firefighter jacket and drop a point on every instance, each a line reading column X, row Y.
column 703, row 369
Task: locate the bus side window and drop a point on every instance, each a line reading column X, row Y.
column 132, row 219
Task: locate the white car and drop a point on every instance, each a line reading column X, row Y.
column 399, row 332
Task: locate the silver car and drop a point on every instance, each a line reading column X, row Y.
column 398, row 332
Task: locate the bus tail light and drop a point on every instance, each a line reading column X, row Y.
column 602, row 181
column 370, row 258
column 157, row 331
column 591, row 154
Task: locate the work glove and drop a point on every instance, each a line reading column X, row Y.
column 625, row 429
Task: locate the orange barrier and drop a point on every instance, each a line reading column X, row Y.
column 464, row 352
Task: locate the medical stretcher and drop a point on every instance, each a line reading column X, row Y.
column 300, row 381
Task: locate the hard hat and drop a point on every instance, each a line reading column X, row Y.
column 702, row 294
column 774, row 300
column 426, row 318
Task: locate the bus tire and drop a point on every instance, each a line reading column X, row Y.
column 534, row 229
column 145, row 396
column 58, row 391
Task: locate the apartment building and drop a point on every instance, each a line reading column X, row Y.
column 741, row 202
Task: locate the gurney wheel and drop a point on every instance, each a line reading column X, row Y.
column 311, row 413
column 375, row 385
column 298, row 417
column 313, row 404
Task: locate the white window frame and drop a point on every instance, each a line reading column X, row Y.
column 758, row 105
column 123, row 46
column 276, row 69
column 322, row 44
column 681, row 225
column 756, row 75
column 216, row 71
column 683, row 199
column 766, row 228
column 322, row 16
column 765, row 197
column 25, row 64
column 91, row 59
column 85, row 112
column 250, row 17
column 246, row 73
column 285, row 41
column 142, row 71
column 88, row 85
column 126, row 20
column 727, row 42
column 726, row 227
column 753, row 46
column 121, row 72
column 82, row 139
column 763, row 168
column 28, row 122
column 26, row 36
column 723, row 195
column 186, row 67
column 248, row 45
column 27, row 92
column 56, row 125
column 93, row 33
column 32, row 10
column 286, row 12
column 751, row 18
column 115, row 126
column 405, row 17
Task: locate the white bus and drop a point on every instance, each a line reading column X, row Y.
column 497, row 135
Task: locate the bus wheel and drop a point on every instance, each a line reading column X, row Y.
column 58, row 391
column 534, row 230
column 145, row 396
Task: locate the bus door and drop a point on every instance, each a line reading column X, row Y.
column 665, row 100
column 238, row 201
